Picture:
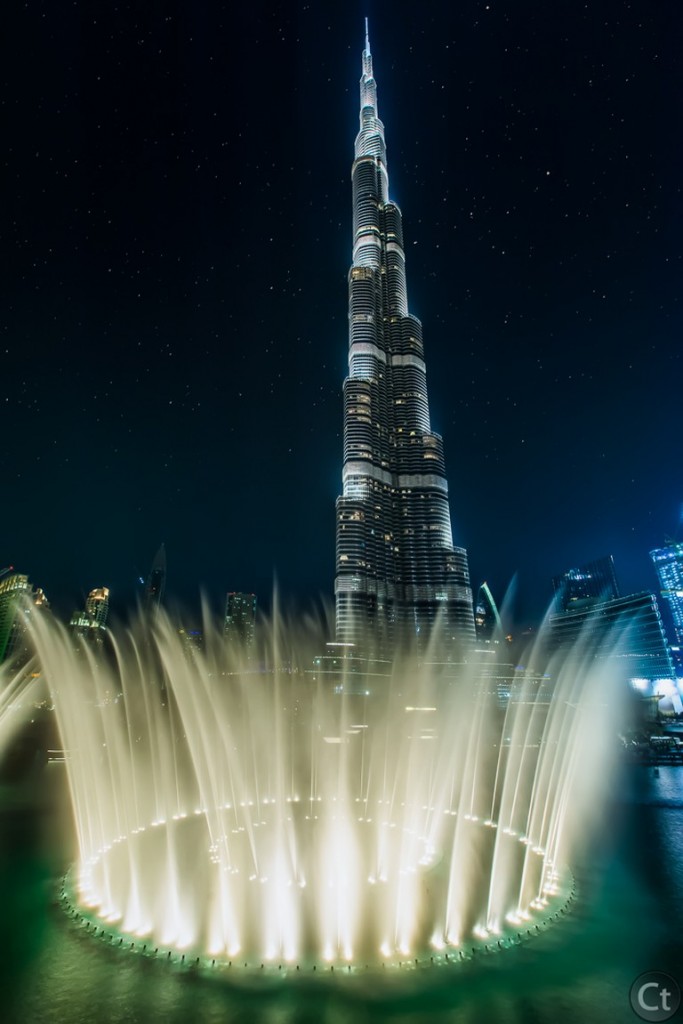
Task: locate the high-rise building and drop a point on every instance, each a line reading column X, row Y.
column 628, row 630
column 13, row 586
column 18, row 600
column 668, row 563
column 91, row 623
column 591, row 620
column 240, row 618
column 156, row 581
column 97, row 605
column 397, row 570
column 591, row 582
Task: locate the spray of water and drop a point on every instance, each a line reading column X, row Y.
column 20, row 686
column 234, row 802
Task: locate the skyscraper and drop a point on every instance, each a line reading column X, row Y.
column 156, row 581
column 240, row 618
column 97, row 605
column 18, row 600
column 591, row 620
column 397, row 569
column 590, row 582
column 668, row 563
column 13, row 586
column 91, row 623
column 627, row 630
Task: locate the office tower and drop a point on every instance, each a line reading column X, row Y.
column 14, row 587
column 240, row 619
column 627, row 630
column 397, row 570
column 668, row 563
column 591, row 582
column 156, row 581
column 18, row 601
column 97, row 606
column 91, row 623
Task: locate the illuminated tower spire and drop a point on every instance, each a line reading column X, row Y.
column 397, row 568
column 370, row 138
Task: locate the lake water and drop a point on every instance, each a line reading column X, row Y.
column 626, row 921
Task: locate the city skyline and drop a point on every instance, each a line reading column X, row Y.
column 176, row 287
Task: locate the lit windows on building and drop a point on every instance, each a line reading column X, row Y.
column 240, row 619
column 590, row 582
column 14, row 587
column 627, row 630
column 668, row 564
column 394, row 481
column 90, row 625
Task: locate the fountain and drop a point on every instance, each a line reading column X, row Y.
column 20, row 689
column 269, row 820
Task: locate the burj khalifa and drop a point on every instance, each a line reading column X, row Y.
column 398, row 573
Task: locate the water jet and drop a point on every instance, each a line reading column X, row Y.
column 192, row 780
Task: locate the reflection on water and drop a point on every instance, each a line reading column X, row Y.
column 631, row 896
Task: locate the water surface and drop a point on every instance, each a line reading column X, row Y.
column 625, row 922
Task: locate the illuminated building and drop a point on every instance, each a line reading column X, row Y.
column 397, row 570
column 156, row 581
column 627, row 630
column 668, row 563
column 240, row 618
column 18, row 599
column 591, row 582
column 13, row 586
column 97, row 606
column 91, row 623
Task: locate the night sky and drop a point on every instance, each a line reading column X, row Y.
column 176, row 238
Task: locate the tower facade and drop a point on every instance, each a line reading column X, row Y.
column 240, row 618
column 97, row 606
column 156, row 581
column 627, row 630
column 13, row 587
column 668, row 563
column 18, row 601
column 594, row 581
column 91, row 623
column 397, row 571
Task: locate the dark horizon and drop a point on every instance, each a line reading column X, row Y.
column 178, row 239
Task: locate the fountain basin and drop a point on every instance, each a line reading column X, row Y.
column 125, row 893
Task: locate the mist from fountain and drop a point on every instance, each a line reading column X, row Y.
column 20, row 687
column 267, row 816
